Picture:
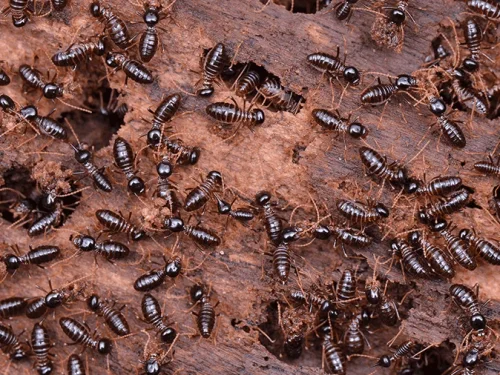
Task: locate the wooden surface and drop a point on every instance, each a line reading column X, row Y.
column 239, row 271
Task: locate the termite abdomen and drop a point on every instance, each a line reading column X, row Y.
column 248, row 83
column 361, row 214
column 124, row 159
column 200, row 195
column 346, row 287
column 40, row 345
column 453, row 203
column 281, row 261
column 38, row 256
column 115, row 27
column 80, row 334
column 334, row 67
column 212, row 65
column 272, row 222
column 4, row 78
column 75, row 365
column 488, row 8
column 133, row 69
column 485, row 249
column 151, row 311
column 79, row 53
column 11, row 344
column 488, row 168
column 117, row 223
column 229, row 113
column 12, row 306
column 377, row 165
column 113, row 317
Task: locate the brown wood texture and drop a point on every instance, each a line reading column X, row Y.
column 239, row 271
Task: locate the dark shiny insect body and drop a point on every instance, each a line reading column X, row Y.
column 84, row 157
column 34, row 79
column 381, row 93
column 362, row 214
column 485, row 249
column 182, row 154
column 75, row 365
column 346, row 287
column 437, row 258
column 12, row 306
column 133, row 69
column 19, row 12
column 164, row 188
column 10, row 344
column 495, row 200
column 37, row 307
column 402, row 351
column 353, row 337
column 59, row 5
column 293, row 345
column 240, row 214
column 200, row 195
column 46, row 222
column 116, row 223
column 124, row 159
column 410, row 259
column 333, row 66
column 439, row 186
column 467, row 300
column 334, row 122
column 280, row 98
column 197, row 233
column 148, row 44
column 206, row 316
column 488, row 8
column 272, row 222
column 156, row 277
column 46, row 125
column 108, row 249
column 473, row 37
column 311, row 299
column 248, row 83
column 4, row 78
column 212, row 66
column 113, row 317
column 397, row 15
column 376, row 164
column 282, row 262
column 334, row 356
column 151, row 311
column 349, row 236
column 79, row 53
column 387, row 311
column 449, row 128
column 7, row 104
column 40, row 345
column 456, row 246
column 488, row 167
column 39, row 255
column 163, row 114
column 343, row 9
column 453, row 203
column 80, row 334
column 113, row 25
column 229, row 113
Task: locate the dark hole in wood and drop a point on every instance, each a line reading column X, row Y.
column 301, row 6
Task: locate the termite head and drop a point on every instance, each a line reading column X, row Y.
column 11, row 262
column 291, row 234
column 151, row 16
column 322, row 232
column 223, row 207
column 478, row 322
column 137, row 234
column 29, row 112
column 154, row 137
column 411, row 186
column 104, row 346
column 438, row 225
column 164, row 169
column 93, row 302
column 437, row 106
column 372, row 294
column 465, row 234
column 397, row 16
column 54, row 299
column 259, row 116
column 168, row 335
column 95, row 9
column 471, row 358
column 197, row 292
column 83, row 243
column 6, row 103
column 352, row 75
column 263, row 198
column 496, row 192
column 112, row 60
column 365, row 317
column 194, row 155
column 356, row 130
column 384, row 361
column 82, row 156
column 382, row 210
column 174, row 224
column 423, row 216
column 19, row 353
column 405, row 81
column 206, row 91
column 470, row 65
column 395, row 247
column 414, row 238
column 173, row 267
column 21, row 21
column 52, row 91
column 136, row 185
column 152, row 366
column 100, row 47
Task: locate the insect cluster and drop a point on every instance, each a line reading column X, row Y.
column 335, row 317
